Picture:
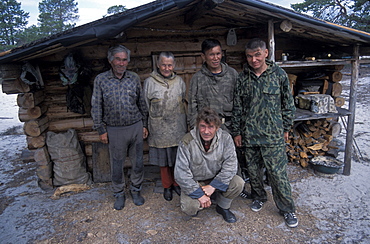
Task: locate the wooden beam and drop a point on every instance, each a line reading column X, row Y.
column 352, row 108
column 199, row 10
column 271, row 40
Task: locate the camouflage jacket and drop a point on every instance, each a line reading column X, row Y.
column 219, row 164
column 263, row 106
column 212, row 90
column 165, row 99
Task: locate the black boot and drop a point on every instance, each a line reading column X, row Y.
column 167, row 194
column 137, row 198
column 228, row 216
column 120, row 202
column 177, row 189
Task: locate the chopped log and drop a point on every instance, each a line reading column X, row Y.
column 30, row 99
column 64, row 125
column 14, row 86
column 339, row 101
column 303, row 154
column 317, row 146
column 338, row 67
column 335, row 128
column 336, row 76
column 325, row 87
column 69, row 188
column 36, row 142
column 303, row 162
column 336, row 89
column 308, row 139
column 328, row 138
column 36, row 127
column 90, row 136
column 31, row 113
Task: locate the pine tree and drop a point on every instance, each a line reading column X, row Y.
column 116, row 9
column 350, row 13
column 57, row 16
column 12, row 21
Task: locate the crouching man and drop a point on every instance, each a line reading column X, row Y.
column 206, row 164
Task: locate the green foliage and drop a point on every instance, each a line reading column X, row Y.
column 350, row 13
column 13, row 20
column 29, row 34
column 116, row 9
column 57, row 16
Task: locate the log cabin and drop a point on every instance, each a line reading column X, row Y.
column 299, row 43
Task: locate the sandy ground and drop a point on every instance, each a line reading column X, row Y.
column 330, row 208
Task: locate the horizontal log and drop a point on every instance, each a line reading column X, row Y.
column 36, row 127
column 10, row 71
column 64, row 125
column 339, row 101
column 336, row 89
column 58, row 112
column 35, row 142
column 336, row 76
column 90, row 136
column 14, row 86
column 30, row 99
column 31, row 113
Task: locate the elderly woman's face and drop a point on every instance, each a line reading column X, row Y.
column 166, row 66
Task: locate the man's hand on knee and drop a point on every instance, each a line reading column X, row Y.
column 205, row 202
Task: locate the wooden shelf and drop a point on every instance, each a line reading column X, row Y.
column 318, row 62
column 303, row 114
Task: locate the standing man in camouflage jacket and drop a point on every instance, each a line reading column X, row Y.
column 213, row 85
column 263, row 114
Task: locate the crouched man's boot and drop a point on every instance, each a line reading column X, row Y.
column 228, row 216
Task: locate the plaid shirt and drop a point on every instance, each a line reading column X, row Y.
column 117, row 102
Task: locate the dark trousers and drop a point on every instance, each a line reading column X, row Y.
column 125, row 140
column 274, row 159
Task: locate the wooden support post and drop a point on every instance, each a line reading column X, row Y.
column 271, row 38
column 352, row 109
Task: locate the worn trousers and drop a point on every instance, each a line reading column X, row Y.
column 191, row 206
column 123, row 141
column 274, row 159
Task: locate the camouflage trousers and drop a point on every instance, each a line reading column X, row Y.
column 274, row 159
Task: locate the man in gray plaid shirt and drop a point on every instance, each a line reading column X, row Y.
column 120, row 116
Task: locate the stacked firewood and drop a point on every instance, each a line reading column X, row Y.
column 311, row 138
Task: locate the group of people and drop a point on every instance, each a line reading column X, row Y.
column 194, row 139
